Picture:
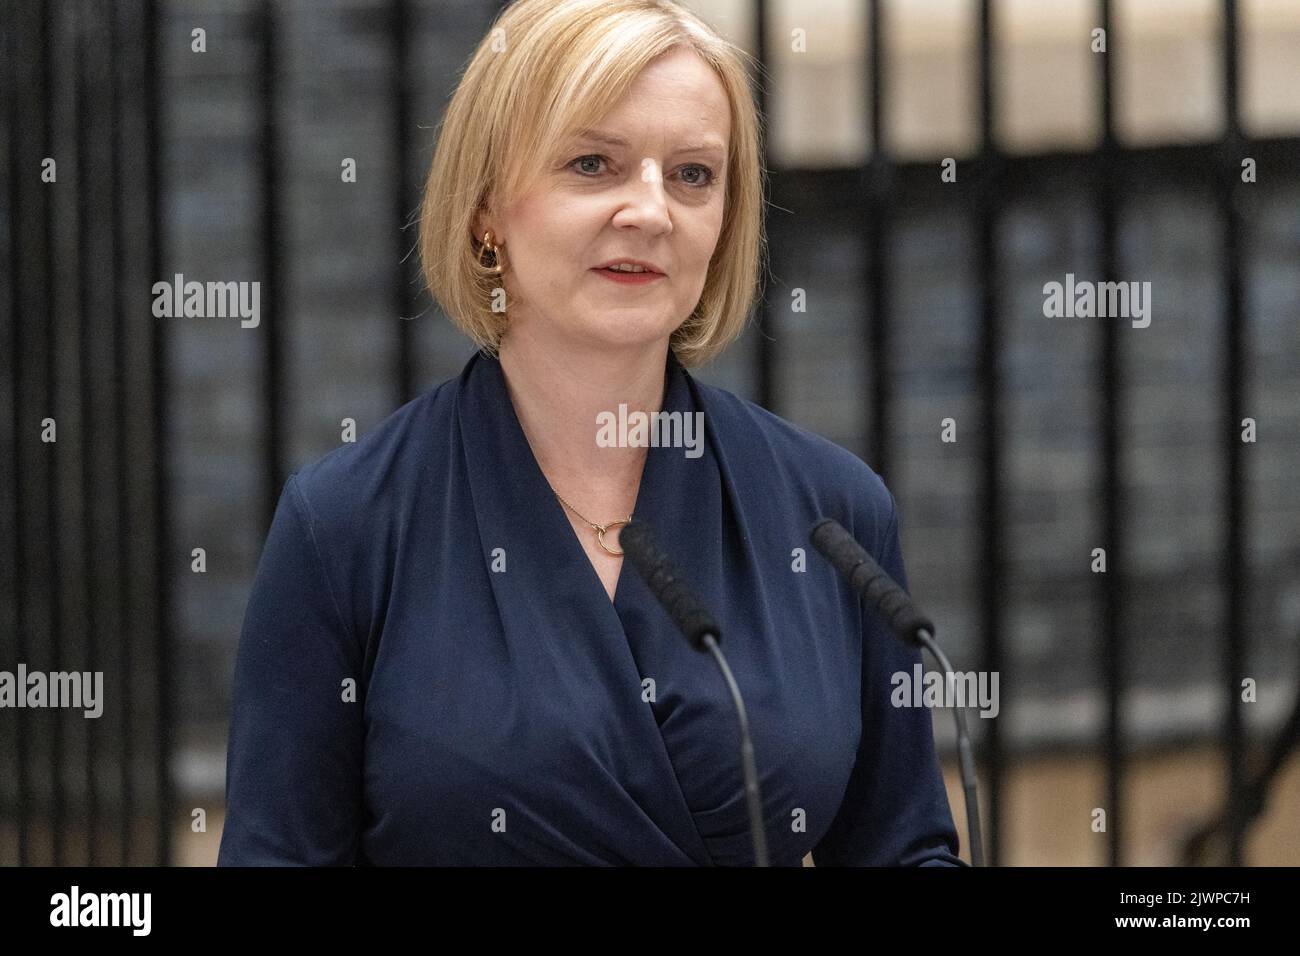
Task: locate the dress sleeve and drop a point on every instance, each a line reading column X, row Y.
column 895, row 809
column 294, row 762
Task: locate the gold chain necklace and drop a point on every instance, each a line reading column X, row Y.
column 600, row 529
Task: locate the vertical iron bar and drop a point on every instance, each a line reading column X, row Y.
column 90, row 422
column 403, row 299
column 57, row 821
column 21, row 171
column 272, row 235
column 122, row 630
column 879, row 193
column 152, row 161
column 1235, row 578
column 988, row 373
column 1112, row 582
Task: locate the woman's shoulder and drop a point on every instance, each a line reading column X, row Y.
column 811, row 464
column 359, row 481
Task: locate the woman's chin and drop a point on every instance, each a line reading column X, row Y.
column 623, row 339
column 625, row 331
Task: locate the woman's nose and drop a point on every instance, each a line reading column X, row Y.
column 648, row 202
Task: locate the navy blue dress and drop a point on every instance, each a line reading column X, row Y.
column 431, row 672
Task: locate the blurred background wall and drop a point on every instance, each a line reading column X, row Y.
column 1173, row 157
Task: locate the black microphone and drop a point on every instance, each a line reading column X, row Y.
column 883, row 595
column 686, row 610
column 693, row 620
column 869, row 579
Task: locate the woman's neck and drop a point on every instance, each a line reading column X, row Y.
column 558, row 392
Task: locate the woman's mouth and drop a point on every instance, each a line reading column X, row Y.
column 630, row 278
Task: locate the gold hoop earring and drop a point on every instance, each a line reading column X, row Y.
column 493, row 250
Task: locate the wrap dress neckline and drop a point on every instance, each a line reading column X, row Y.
column 678, row 497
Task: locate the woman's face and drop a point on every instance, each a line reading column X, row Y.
column 656, row 197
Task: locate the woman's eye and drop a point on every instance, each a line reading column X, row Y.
column 706, row 173
column 585, row 159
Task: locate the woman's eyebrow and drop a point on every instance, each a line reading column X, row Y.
column 600, row 136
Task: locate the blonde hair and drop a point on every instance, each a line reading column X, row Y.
column 545, row 69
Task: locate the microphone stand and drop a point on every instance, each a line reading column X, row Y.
column 753, row 800
column 699, row 628
column 883, row 596
column 965, row 753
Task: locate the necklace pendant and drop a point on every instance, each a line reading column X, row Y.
column 600, row 534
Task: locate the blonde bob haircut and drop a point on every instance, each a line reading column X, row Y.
column 545, row 70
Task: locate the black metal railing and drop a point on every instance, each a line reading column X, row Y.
column 87, row 562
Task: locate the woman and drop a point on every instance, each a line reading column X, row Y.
column 444, row 660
